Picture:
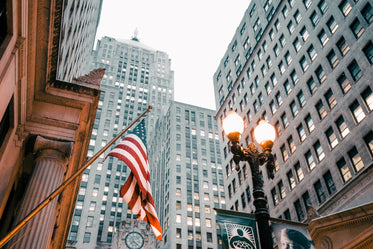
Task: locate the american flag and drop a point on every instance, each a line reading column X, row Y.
column 136, row 191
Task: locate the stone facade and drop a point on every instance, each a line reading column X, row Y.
column 34, row 105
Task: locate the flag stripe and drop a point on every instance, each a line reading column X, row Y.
column 136, row 191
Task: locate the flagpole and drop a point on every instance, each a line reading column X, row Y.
column 54, row 194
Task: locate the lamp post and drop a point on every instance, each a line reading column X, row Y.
column 264, row 134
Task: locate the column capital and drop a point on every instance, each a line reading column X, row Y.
column 43, row 144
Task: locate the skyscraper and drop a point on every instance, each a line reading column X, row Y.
column 188, row 183
column 136, row 76
column 306, row 67
column 79, row 25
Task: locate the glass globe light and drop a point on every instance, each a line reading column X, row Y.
column 264, row 132
column 233, row 123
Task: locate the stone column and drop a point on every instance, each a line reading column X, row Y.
column 50, row 165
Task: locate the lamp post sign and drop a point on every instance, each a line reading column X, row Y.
column 237, row 230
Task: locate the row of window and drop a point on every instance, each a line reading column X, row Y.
column 322, row 187
column 332, row 58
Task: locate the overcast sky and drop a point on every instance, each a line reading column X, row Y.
column 195, row 35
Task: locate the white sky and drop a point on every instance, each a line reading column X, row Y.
column 195, row 35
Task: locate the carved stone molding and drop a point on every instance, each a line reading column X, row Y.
column 92, row 79
column 50, row 148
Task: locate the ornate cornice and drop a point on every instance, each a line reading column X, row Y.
column 92, row 79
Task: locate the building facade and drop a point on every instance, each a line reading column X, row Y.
column 136, row 76
column 306, row 67
column 79, row 25
column 45, row 123
column 187, row 176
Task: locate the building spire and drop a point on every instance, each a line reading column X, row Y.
column 135, row 34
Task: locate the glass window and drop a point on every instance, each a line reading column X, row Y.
column 330, row 99
column 311, row 86
column 276, row 50
column 274, row 197
column 274, row 79
column 319, row 191
column 304, row 33
column 294, row 77
column 357, row 111
column 281, row 188
column 354, row 70
column 285, row 120
column 367, row 95
column 294, row 108
column 291, row 27
column 343, row 46
column 282, row 40
column 332, row 138
column 299, row 210
column 284, row 153
column 273, row 107
column 344, row 170
column 345, row 7
column 329, row 182
column 304, row 63
column 332, row 25
column 321, row 109
column 296, row 44
column 299, row 171
column 87, row 237
column 288, row 58
column 344, row 83
column 309, row 122
column 367, row 13
column 342, row 126
column 291, row 144
column 314, row 18
column 312, row 53
column 319, row 151
column 368, row 139
column 297, row 17
column 278, row 98
column 268, row 88
column 310, row 161
column 323, row 7
column 307, row 3
column 301, row 133
column 323, row 38
column 356, row 28
column 368, row 51
column 291, row 179
column 281, row 67
column 355, row 158
column 320, row 73
column 332, row 58
column 287, row 87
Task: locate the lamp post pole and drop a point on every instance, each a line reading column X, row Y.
column 255, row 159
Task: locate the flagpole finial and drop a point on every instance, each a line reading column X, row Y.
column 150, row 107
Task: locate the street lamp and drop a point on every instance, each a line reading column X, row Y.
column 264, row 134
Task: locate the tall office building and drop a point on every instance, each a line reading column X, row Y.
column 188, row 183
column 78, row 31
column 136, row 76
column 306, row 67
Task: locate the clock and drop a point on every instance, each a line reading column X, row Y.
column 134, row 240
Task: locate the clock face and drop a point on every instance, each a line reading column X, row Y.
column 134, row 240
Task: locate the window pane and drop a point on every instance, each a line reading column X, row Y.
column 368, row 98
column 355, row 159
column 344, row 170
column 342, row 126
column 357, row 111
